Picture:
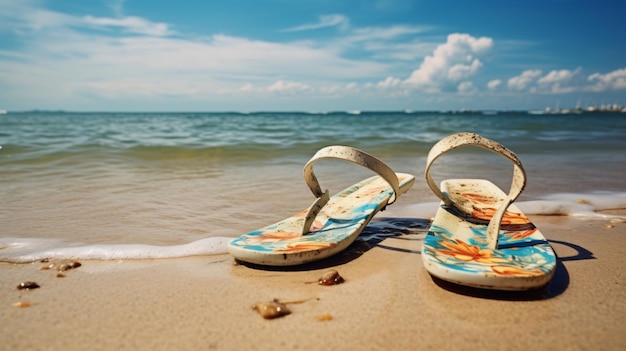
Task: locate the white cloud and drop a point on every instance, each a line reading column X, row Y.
column 325, row 21
column 558, row 81
column 615, row 80
column 286, row 86
column 467, row 88
column 566, row 81
column 555, row 82
column 139, row 88
column 402, row 51
column 389, row 82
column 338, row 90
column 455, row 60
column 62, row 58
column 397, row 42
column 494, row 84
column 25, row 16
column 558, row 76
column 373, row 33
column 73, row 63
column 247, row 87
column 461, row 71
column 524, row 80
column 352, row 86
column 26, row 19
column 130, row 24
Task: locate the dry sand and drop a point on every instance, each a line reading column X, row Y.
column 388, row 302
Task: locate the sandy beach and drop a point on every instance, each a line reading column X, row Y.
column 388, row 301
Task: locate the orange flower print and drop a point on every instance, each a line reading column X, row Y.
column 317, row 225
column 280, row 234
column 515, row 271
column 305, row 246
column 522, row 234
column 271, row 236
column 508, row 218
column 464, row 252
column 486, row 213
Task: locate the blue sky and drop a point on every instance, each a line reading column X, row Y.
column 310, row 55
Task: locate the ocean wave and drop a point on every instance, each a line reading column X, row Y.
column 15, row 155
column 22, row 250
column 34, row 136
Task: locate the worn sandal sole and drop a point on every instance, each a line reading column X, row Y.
column 329, row 225
column 478, row 237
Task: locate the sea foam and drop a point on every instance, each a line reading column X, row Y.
column 22, row 250
column 31, row 250
column 563, row 204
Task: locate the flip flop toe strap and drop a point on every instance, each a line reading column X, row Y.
column 313, row 210
column 471, row 139
column 350, row 154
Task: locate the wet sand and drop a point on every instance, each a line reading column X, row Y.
column 388, row 301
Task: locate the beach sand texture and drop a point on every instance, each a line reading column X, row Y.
column 387, row 302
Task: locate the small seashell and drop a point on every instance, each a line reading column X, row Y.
column 331, row 277
column 272, row 309
column 47, row 267
column 60, row 275
column 325, row 317
column 609, row 226
column 68, row 265
column 21, row 304
column 27, row 285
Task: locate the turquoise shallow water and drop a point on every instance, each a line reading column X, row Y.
column 172, row 178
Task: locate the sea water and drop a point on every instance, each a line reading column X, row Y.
column 150, row 185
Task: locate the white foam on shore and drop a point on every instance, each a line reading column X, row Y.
column 577, row 205
column 21, row 250
column 31, row 250
column 565, row 204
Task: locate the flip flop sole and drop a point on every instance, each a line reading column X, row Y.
column 336, row 226
column 455, row 249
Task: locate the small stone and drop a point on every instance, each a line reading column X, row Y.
column 28, row 286
column 68, row 265
column 272, row 309
column 331, row 277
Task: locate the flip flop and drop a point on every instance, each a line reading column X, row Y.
column 478, row 237
column 331, row 224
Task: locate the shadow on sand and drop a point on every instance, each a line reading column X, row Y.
column 404, row 229
column 371, row 236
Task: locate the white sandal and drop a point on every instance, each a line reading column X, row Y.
column 479, row 237
column 330, row 224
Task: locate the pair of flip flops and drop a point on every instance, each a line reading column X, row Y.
column 478, row 237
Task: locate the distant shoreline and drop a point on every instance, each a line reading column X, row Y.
column 613, row 110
